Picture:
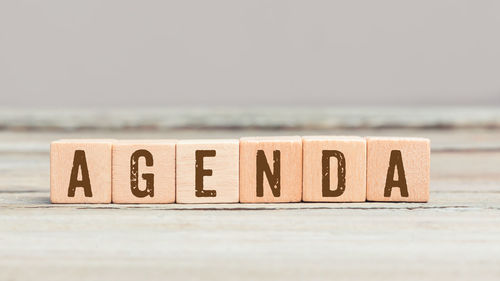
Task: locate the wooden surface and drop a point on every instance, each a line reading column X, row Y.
column 456, row 236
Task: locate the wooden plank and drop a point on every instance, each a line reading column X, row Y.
column 431, row 240
column 244, row 117
column 456, row 236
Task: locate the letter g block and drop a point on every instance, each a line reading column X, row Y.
column 144, row 171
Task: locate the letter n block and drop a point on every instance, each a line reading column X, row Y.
column 208, row 171
column 144, row 171
column 80, row 171
column 398, row 169
column 270, row 169
column 334, row 169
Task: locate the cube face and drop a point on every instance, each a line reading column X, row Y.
column 207, row 171
column 270, row 169
column 398, row 169
column 144, row 171
column 80, row 171
column 334, row 169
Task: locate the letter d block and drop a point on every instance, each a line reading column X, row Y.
column 270, row 169
column 144, row 171
column 398, row 169
column 334, row 169
column 207, row 171
column 80, row 171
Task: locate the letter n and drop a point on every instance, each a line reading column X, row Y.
column 272, row 177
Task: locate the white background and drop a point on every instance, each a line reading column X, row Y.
column 212, row 52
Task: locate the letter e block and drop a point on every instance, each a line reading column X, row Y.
column 398, row 169
column 207, row 171
column 334, row 169
column 80, row 171
column 144, row 171
column 270, row 169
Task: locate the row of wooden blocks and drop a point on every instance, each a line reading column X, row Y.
column 248, row 170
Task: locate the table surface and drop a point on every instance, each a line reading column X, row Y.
column 456, row 236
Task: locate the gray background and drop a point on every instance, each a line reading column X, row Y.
column 114, row 53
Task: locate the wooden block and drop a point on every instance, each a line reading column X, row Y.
column 334, row 169
column 270, row 169
column 80, row 171
column 208, row 171
column 398, row 169
column 144, row 171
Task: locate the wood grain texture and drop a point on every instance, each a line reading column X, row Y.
column 161, row 171
column 95, row 162
column 353, row 153
column 245, row 117
column 218, row 173
column 290, row 165
column 412, row 176
column 455, row 236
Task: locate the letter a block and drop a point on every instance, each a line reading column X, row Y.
column 334, row 169
column 207, row 171
column 270, row 169
column 398, row 169
column 144, row 171
column 80, row 171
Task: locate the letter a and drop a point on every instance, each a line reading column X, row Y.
column 396, row 161
column 79, row 162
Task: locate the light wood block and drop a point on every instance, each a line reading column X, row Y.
column 208, row 171
column 144, row 171
column 270, row 169
column 398, row 169
column 80, row 171
column 334, row 169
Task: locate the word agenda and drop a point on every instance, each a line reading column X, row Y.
column 246, row 170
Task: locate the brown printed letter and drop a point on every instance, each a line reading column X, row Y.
column 200, row 173
column 396, row 161
column 327, row 154
column 134, row 171
column 79, row 161
column 272, row 177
